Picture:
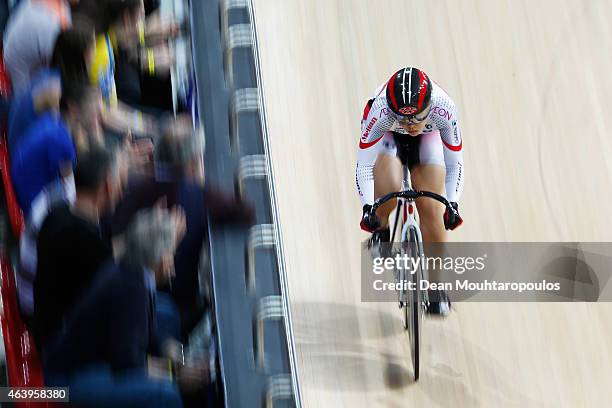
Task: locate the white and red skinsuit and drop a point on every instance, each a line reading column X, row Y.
column 441, row 142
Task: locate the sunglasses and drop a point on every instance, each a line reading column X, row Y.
column 414, row 120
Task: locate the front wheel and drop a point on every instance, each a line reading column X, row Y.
column 413, row 316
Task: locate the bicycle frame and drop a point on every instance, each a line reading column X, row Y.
column 413, row 302
column 409, row 221
column 410, row 212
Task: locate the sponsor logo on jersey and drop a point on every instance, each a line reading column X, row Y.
column 442, row 112
column 408, row 110
column 383, row 112
column 364, row 138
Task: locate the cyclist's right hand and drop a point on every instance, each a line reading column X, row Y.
column 369, row 221
column 452, row 219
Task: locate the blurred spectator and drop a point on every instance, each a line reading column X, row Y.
column 71, row 243
column 30, row 37
column 179, row 181
column 73, row 53
column 122, row 55
column 51, row 196
column 47, row 149
column 146, row 84
column 75, row 50
column 102, row 354
column 43, row 95
column 120, row 23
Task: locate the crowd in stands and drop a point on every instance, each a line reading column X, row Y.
column 109, row 175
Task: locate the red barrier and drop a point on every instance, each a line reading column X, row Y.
column 14, row 211
column 22, row 360
column 5, row 81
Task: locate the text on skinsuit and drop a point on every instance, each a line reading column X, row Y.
column 368, row 129
column 442, row 112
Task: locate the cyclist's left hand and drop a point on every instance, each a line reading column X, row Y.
column 452, row 219
column 369, row 221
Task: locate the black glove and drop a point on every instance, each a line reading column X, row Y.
column 369, row 221
column 452, row 219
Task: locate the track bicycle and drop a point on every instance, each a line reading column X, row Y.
column 412, row 302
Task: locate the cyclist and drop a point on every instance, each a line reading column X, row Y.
column 411, row 121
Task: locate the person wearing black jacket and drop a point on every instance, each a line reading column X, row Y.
column 72, row 243
column 104, row 355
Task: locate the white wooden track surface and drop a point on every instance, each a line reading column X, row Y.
column 533, row 81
